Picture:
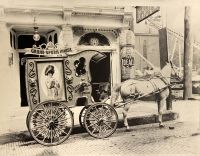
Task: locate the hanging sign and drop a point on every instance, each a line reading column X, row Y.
column 48, row 49
column 49, row 52
column 143, row 12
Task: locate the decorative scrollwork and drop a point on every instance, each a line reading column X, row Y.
column 70, row 90
column 31, row 73
column 68, row 71
column 23, row 60
column 33, row 92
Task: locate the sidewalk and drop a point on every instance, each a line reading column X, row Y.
column 142, row 112
column 178, row 137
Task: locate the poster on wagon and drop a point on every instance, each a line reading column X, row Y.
column 51, row 83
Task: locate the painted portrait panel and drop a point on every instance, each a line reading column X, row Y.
column 50, row 79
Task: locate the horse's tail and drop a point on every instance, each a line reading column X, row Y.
column 115, row 93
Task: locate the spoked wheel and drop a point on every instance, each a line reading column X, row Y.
column 50, row 123
column 101, row 120
column 82, row 115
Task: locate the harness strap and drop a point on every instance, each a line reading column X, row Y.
column 154, row 85
column 164, row 80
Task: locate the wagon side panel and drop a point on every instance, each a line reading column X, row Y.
column 32, row 84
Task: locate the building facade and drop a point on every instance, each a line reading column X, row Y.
column 80, row 28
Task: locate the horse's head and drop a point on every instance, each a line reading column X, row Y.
column 170, row 71
column 166, row 72
column 176, row 72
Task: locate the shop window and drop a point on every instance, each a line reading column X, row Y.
column 26, row 41
column 55, row 38
column 94, row 39
column 50, row 38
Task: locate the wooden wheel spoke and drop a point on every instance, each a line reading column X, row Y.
column 51, row 110
column 103, row 110
column 40, row 132
column 110, row 121
column 43, row 107
column 51, row 135
column 44, row 138
column 63, row 124
column 95, row 128
column 100, row 131
column 92, row 124
column 59, row 115
column 37, row 127
column 62, row 130
column 93, row 115
column 108, row 112
column 65, row 119
column 57, row 134
column 107, row 125
column 40, row 115
column 92, row 119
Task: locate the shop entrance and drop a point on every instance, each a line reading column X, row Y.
column 25, row 41
column 100, row 76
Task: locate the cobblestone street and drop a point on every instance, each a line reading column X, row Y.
column 146, row 139
column 178, row 137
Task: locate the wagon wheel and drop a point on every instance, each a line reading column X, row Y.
column 50, row 123
column 101, row 120
column 81, row 116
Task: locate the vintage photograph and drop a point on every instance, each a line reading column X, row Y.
column 99, row 77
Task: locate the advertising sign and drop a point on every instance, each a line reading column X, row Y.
column 143, row 12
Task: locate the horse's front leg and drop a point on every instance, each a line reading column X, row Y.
column 125, row 113
column 160, row 112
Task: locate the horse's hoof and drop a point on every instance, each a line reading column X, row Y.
column 128, row 129
column 171, row 127
column 161, row 126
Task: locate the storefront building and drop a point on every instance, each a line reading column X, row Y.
column 102, row 29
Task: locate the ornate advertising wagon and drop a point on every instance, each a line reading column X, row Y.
column 56, row 84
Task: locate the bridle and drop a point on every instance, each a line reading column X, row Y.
column 175, row 71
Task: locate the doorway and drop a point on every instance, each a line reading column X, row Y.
column 100, row 76
column 25, row 41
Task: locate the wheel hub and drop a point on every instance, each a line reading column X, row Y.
column 52, row 125
column 101, row 121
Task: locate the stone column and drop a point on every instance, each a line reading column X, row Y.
column 127, row 45
column 9, row 92
column 66, row 35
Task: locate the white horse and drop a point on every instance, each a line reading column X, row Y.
column 132, row 89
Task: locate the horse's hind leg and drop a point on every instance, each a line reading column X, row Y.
column 125, row 113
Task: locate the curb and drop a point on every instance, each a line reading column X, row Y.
column 133, row 121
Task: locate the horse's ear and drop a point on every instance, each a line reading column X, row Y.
column 170, row 62
column 167, row 62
